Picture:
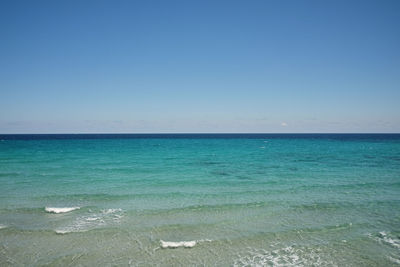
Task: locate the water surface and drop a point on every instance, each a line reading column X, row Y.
column 261, row 199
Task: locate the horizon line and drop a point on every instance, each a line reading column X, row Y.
column 161, row 133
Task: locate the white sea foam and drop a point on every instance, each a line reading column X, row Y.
column 110, row 211
column 384, row 238
column 279, row 257
column 2, row 226
column 62, row 232
column 394, row 242
column 388, row 239
column 114, row 214
column 92, row 220
column 60, row 210
column 185, row 244
column 287, row 256
column 67, row 231
column 397, row 261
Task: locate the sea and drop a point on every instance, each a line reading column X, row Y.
column 200, row 200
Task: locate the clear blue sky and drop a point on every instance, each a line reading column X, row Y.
column 199, row 66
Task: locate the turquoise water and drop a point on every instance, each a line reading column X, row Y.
column 246, row 200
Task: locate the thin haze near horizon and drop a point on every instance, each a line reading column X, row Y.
column 199, row 66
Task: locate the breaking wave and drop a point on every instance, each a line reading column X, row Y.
column 60, row 210
column 185, row 244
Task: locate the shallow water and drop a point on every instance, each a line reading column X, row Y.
column 242, row 200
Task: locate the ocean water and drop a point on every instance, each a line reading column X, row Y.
column 209, row 200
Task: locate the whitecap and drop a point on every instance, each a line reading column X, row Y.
column 185, row 244
column 91, row 219
column 60, row 210
column 67, row 231
column 62, row 232
column 2, row 226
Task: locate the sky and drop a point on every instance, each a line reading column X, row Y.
column 199, row 66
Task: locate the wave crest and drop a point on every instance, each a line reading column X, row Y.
column 185, row 244
column 60, row 210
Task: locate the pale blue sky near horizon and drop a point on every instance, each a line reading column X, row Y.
column 199, row 66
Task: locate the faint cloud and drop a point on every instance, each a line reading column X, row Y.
column 283, row 124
